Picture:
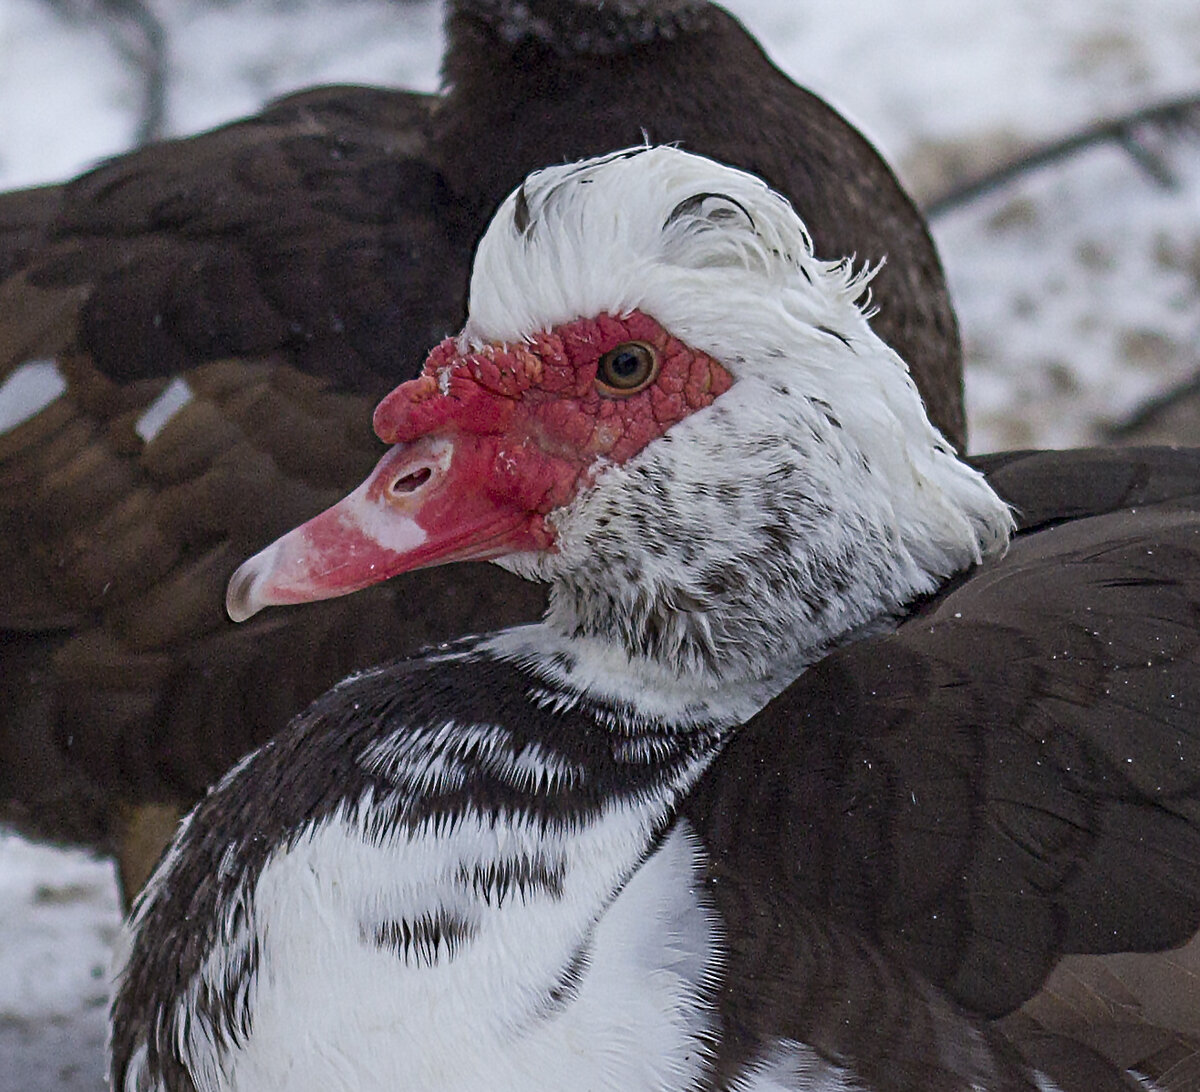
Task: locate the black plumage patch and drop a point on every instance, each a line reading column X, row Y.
column 564, row 991
column 577, row 29
column 494, row 882
column 694, row 208
column 831, row 332
column 423, row 941
column 522, row 220
column 227, row 1009
column 826, row 410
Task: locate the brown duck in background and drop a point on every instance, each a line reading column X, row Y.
column 292, row 267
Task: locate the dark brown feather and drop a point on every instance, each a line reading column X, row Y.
column 1014, row 774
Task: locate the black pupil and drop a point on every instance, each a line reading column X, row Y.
column 625, row 364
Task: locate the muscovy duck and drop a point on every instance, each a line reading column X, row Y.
column 225, row 311
column 622, row 848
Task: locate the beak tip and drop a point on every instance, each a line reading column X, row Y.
column 243, row 597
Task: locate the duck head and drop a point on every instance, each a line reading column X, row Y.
column 667, row 407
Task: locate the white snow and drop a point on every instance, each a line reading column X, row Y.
column 233, row 57
column 1078, row 295
column 65, row 98
column 1077, row 289
column 58, row 920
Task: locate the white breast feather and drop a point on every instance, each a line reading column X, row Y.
column 335, row 1014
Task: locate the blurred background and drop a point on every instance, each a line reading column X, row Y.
column 1077, row 283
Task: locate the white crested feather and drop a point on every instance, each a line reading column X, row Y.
column 659, row 229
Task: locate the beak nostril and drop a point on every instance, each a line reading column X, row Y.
column 411, row 482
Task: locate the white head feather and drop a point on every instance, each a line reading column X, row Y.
column 822, row 416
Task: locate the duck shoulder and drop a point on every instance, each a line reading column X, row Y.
column 1007, row 782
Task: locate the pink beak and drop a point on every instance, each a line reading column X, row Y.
column 435, row 500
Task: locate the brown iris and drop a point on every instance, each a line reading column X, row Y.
column 630, row 367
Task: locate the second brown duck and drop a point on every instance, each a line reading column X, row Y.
column 223, row 311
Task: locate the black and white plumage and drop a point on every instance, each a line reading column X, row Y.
column 617, row 849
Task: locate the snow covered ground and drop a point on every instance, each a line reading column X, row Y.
column 1078, row 289
column 58, row 919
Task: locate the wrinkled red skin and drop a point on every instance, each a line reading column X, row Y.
column 486, row 445
column 538, row 404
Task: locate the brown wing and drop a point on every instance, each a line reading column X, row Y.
column 291, row 268
column 1014, row 774
column 317, row 230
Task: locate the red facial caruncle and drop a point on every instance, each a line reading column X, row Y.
column 487, row 444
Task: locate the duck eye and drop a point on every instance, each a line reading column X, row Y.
column 627, row 369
